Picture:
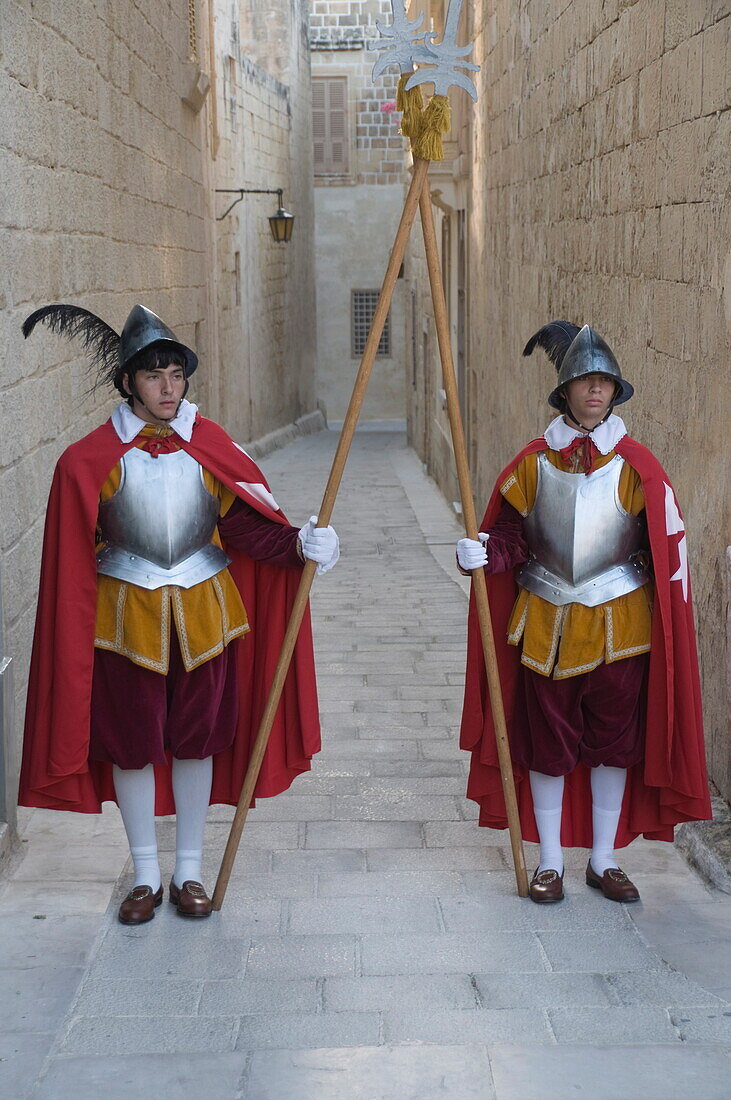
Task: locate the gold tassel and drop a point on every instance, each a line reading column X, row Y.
column 435, row 120
column 411, row 105
column 400, row 92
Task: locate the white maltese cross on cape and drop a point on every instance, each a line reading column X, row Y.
column 675, row 526
column 256, row 489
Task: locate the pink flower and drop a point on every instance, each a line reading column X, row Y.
column 388, row 107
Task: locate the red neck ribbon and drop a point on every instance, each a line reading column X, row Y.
column 588, row 452
column 160, row 445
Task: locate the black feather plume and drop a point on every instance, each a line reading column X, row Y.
column 555, row 339
column 98, row 337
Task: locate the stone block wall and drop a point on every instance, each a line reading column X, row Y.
column 450, row 184
column 600, row 193
column 102, row 205
column 340, row 270
column 340, row 32
column 107, row 198
column 362, row 204
column 265, row 290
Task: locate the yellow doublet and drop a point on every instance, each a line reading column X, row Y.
column 135, row 622
column 565, row 641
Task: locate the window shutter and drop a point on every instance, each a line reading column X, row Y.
column 336, row 118
column 329, row 125
column 319, row 123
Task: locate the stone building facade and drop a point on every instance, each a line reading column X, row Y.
column 359, row 174
column 118, row 122
column 449, row 184
column 599, row 192
column 265, row 291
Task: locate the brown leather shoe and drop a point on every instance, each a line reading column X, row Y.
column 546, row 886
column 139, row 906
column 614, row 884
column 191, row 899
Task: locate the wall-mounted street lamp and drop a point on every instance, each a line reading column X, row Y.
column 280, row 223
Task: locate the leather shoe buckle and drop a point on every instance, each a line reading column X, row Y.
column 615, row 874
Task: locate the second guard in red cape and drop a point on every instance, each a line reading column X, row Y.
column 584, row 548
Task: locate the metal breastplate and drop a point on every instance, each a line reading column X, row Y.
column 158, row 525
column 583, row 544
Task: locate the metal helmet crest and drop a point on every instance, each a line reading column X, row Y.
column 576, row 352
column 589, row 353
column 109, row 352
column 144, row 328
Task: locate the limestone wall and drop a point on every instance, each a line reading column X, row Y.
column 600, row 179
column 107, row 198
column 340, row 33
column 103, row 206
column 265, row 291
column 339, row 271
column 449, row 179
column 357, row 211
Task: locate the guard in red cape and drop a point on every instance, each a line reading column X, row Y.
column 584, row 548
column 167, row 578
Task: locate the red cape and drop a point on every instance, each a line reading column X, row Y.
column 56, row 773
column 670, row 785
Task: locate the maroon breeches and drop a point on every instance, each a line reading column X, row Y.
column 137, row 714
column 595, row 718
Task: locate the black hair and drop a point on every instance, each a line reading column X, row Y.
column 154, row 356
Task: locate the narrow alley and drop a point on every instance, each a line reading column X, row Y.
column 372, row 944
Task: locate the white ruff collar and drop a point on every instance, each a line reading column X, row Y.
column 559, row 434
column 128, row 425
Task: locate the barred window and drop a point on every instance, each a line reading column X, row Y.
column 362, row 307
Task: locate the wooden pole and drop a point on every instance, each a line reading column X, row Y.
column 470, row 522
column 323, row 518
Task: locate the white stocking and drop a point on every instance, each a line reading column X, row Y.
column 192, row 790
column 607, row 791
column 547, row 791
column 135, row 790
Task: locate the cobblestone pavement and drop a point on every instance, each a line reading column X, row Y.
column 372, row 944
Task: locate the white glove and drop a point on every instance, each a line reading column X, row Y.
column 472, row 554
column 320, row 544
